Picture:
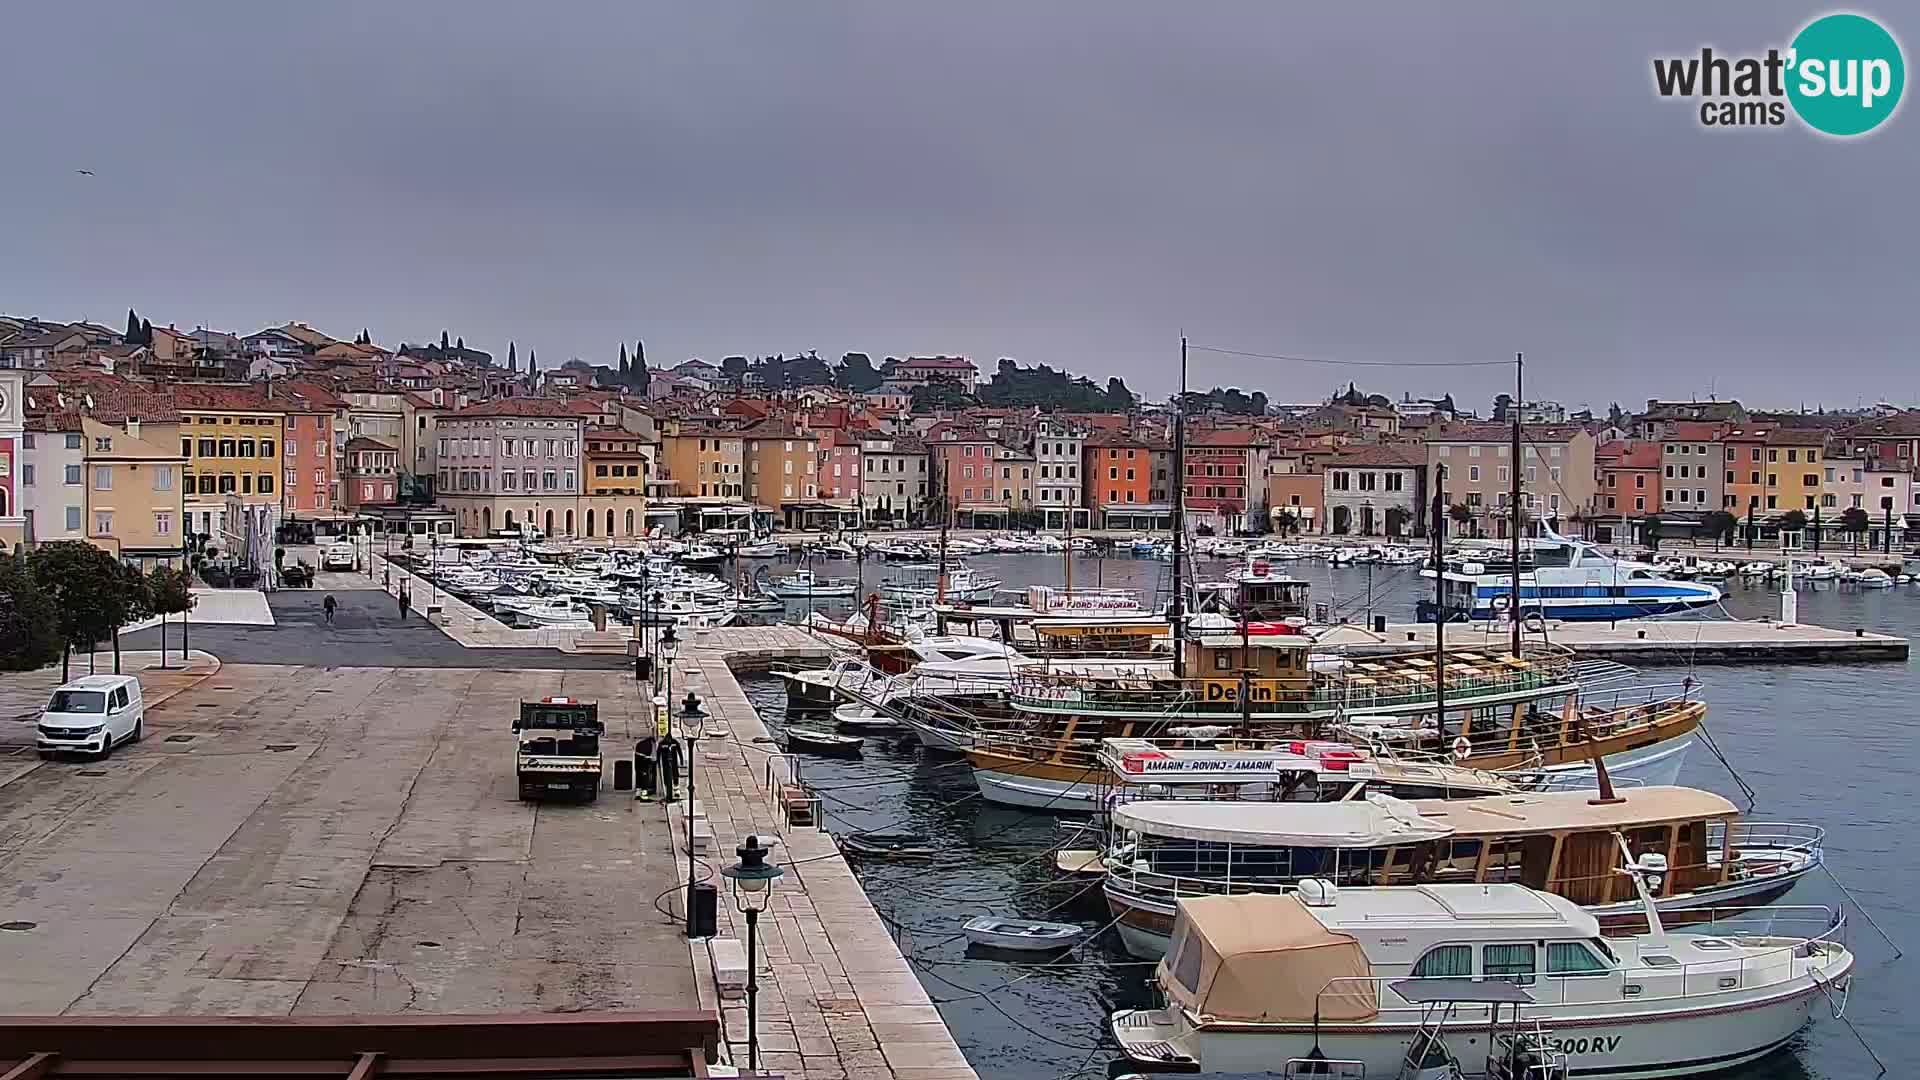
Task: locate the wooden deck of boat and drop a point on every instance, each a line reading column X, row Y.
column 1654, row 641
column 837, row 998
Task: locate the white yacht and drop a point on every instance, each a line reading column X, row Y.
column 1345, row 982
column 1562, row 579
column 804, row 584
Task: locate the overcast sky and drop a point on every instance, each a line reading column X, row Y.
column 1069, row 183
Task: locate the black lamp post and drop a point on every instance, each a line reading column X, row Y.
column 692, row 721
column 669, row 644
column 753, row 879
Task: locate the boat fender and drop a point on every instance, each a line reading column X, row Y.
column 1462, row 749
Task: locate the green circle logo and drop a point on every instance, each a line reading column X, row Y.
column 1846, row 74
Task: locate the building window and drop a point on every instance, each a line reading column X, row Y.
column 103, row 478
column 266, row 447
column 163, row 523
column 73, row 477
column 265, row 486
column 103, row 523
column 163, row 478
column 73, row 519
column 73, row 441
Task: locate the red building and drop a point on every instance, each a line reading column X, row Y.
column 839, row 467
column 1226, row 476
column 373, row 474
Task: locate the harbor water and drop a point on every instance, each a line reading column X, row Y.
column 1828, row 745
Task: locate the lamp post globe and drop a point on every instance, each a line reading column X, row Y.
column 752, row 879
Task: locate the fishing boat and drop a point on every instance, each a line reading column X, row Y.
column 1564, row 579
column 814, row 740
column 804, row 584
column 888, row 845
column 1566, row 843
column 1338, row 981
column 1021, row 935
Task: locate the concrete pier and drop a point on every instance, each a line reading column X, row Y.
column 1651, row 641
column 838, row 1001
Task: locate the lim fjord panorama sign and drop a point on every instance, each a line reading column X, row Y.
column 1842, row 75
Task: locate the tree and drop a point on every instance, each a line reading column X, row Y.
column 137, row 601
column 623, row 361
column 1650, row 532
column 1501, row 403
column 638, row 377
column 443, row 341
column 1119, row 398
column 460, row 343
column 1285, row 521
column 28, row 634
column 513, row 359
column 734, row 368
column 1856, row 521
column 1462, row 516
column 856, row 373
column 1793, row 521
column 533, row 369
column 1723, row 526
column 940, row 393
column 132, row 335
column 1616, row 416
column 169, row 592
column 1397, row 517
column 88, row 591
column 146, row 332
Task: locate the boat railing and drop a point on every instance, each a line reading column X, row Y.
column 1771, row 837
column 1036, row 690
column 1763, row 957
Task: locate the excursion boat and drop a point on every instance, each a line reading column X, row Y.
column 1503, row 712
column 1562, row 579
column 1565, row 843
column 1333, row 981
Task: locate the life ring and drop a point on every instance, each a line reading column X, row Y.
column 1499, row 604
column 1462, row 749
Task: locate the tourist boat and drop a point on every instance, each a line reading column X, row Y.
column 803, row 584
column 1562, row 579
column 1272, row 602
column 1338, row 981
column 1566, row 843
column 821, row 741
column 1021, row 935
column 1504, row 712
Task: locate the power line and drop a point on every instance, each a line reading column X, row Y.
column 1351, row 363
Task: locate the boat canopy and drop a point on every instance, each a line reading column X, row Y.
column 1265, row 959
column 1572, row 811
column 1358, row 823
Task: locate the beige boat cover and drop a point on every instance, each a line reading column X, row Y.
column 1265, row 959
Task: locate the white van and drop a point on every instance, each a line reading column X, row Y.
column 337, row 557
column 92, row 715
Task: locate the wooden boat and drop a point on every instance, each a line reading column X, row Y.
column 1022, row 935
column 887, row 845
column 1080, row 862
column 821, row 741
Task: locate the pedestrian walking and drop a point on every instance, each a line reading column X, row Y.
column 401, row 596
column 669, row 766
column 329, row 605
column 643, row 766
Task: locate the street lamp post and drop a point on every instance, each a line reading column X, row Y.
column 669, row 644
column 753, row 879
column 692, row 720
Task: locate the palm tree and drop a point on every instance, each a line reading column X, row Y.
column 1722, row 525
column 1856, row 521
column 1285, row 522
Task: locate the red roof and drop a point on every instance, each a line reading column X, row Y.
column 1701, row 430
column 942, row 363
column 1397, row 455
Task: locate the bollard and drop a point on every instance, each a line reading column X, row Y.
column 1642, row 634
column 1858, row 632
column 1379, row 624
column 1409, row 635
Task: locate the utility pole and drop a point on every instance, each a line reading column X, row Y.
column 1519, row 368
column 1179, row 516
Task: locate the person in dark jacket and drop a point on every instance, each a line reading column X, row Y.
column 643, row 767
column 669, row 765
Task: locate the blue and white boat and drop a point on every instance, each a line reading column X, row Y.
column 1561, row 578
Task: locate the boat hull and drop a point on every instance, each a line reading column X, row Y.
column 1623, row 1043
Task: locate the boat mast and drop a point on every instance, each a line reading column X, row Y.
column 1436, row 529
column 946, row 514
column 1519, row 368
column 1179, row 515
column 1068, row 554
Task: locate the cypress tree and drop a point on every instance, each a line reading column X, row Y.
column 513, row 359
column 146, row 332
column 460, row 343
column 443, row 340
column 133, row 328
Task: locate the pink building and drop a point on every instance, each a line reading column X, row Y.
column 839, row 467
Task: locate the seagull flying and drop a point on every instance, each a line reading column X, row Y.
column 84, row 172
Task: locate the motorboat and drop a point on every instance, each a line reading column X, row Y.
column 860, row 718
column 1021, row 935
column 1758, row 569
column 1873, row 578
column 766, row 549
column 906, row 847
column 814, row 740
column 1334, row 981
column 820, row 688
column 702, row 555
column 1565, row 579
column 835, row 550
column 1566, row 843
column 804, row 584
column 1820, row 571
column 963, row 584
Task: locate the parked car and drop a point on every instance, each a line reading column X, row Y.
column 337, row 557
column 92, row 715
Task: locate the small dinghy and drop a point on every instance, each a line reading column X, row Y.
column 887, row 845
column 1024, row 935
column 856, row 717
column 1080, row 862
column 821, row 741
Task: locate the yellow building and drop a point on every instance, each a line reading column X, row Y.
column 232, row 438
column 703, row 462
column 135, row 493
column 1794, row 469
column 783, row 465
column 618, row 465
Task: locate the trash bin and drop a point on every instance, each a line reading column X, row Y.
column 643, row 667
column 1379, row 624
column 623, row 774
column 703, row 900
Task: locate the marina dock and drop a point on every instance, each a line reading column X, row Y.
column 1654, row 641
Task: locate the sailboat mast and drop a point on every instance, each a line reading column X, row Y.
column 1068, row 554
column 1519, row 369
column 1436, row 528
column 1179, row 516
